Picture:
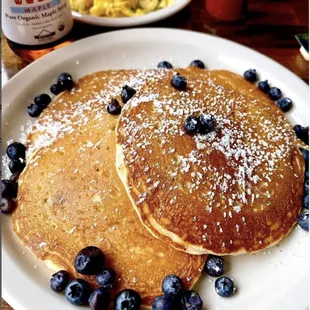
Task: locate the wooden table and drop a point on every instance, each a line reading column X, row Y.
column 269, row 28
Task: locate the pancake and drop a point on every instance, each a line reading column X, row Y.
column 70, row 195
column 237, row 189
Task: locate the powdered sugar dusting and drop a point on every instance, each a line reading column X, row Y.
column 230, row 168
column 74, row 116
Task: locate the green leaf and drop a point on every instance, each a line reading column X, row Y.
column 303, row 40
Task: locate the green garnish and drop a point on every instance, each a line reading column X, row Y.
column 303, row 40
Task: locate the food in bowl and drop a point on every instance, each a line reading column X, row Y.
column 118, row 8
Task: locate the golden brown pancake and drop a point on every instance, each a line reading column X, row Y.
column 70, row 195
column 237, row 189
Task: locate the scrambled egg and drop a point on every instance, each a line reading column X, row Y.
column 118, row 8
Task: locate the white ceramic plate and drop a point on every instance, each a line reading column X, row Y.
column 274, row 279
column 132, row 21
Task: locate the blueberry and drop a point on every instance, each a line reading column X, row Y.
column 8, row 189
column 59, row 281
column 303, row 220
column 34, row 110
column 250, row 75
column 99, row 299
column 127, row 93
column 42, row 100
column 305, row 153
column 165, row 65
column 16, row 150
column 275, row 93
column 89, row 260
column 190, row 300
column 14, row 177
column 285, row 104
column 191, row 125
column 264, row 86
column 114, row 107
column 214, row 266
column 225, row 287
column 301, row 129
column 65, row 80
column 56, row 89
column 77, row 292
column 7, row 205
column 16, row 166
column 302, row 133
column 106, row 278
column 306, row 202
column 127, row 300
column 206, row 123
column 164, row 303
column 172, row 285
column 178, row 82
column 197, row 63
column 307, row 187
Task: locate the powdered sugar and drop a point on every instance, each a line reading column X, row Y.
column 224, row 169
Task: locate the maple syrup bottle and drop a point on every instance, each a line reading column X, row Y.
column 34, row 28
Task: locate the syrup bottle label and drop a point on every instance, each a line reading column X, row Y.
column 36, row 22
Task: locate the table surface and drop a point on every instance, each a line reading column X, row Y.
column 269, row 28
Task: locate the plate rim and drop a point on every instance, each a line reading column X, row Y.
column 9, row 296
column 131, row 21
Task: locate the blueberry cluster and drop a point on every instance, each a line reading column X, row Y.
column 285, row 104
column 302, row 133
column 114, row 107
column 214, row 267
column 90, row 261
column 195, row 63
column 16, row 152
column 202, row 124
column 64, row 82
column 178, row 81
column 303, row 220
column 175, row 297
column 274, row 93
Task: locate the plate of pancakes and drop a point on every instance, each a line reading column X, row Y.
column 157, row 168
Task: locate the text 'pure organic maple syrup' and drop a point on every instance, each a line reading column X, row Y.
column 34, row 28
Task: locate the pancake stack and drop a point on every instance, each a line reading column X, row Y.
column 152, row 197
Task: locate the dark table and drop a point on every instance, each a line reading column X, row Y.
column 269, row 28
